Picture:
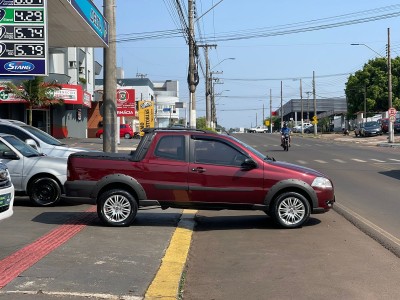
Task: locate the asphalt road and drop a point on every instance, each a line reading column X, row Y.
column 64, row 252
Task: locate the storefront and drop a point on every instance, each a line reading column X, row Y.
column 66, row 119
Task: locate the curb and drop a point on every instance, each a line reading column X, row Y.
column 376, row 233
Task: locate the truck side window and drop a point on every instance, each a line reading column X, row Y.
column 218, row 153
column 171, row 147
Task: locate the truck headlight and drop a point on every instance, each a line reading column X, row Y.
column 322, row 182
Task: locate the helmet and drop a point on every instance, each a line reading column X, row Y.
column 284, row 124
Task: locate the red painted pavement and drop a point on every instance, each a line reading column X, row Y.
column 23, row 259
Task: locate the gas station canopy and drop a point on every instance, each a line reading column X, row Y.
column 76, row 23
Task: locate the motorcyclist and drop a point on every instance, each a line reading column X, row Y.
column 285, row 129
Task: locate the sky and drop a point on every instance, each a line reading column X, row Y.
column 260, row 46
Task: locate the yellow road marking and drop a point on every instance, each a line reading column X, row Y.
column 165, row 284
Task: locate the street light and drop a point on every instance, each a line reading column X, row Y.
column 229, row 58
column 368, row 48
column 391, row 132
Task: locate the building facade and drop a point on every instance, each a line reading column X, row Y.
column 163, row 94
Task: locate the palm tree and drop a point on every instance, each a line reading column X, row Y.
column 35, row 92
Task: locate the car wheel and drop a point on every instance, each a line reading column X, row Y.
column 117, row 208
column 291, row 210
column 44, row 191
column 127, row 136
column 101, row 136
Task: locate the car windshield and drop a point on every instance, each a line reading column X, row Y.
column 23, row 148
column 370, row 124
column 252, row 150
column 41, row 135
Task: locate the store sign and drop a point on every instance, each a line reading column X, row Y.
column 23, row 36
column 146, row 115
column 126, row 103
column 70, row 94
column 93, row 17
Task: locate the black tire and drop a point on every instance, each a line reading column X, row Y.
column 291, row 210
column 117, row 208
column 127, row 136
column 44, row 191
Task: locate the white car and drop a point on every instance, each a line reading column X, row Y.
column 36, row 138
column 39, row 176
column 298, row 127
column 6, row 193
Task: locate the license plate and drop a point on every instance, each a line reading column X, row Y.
column 5, row 199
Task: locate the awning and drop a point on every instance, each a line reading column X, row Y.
column 76, row 23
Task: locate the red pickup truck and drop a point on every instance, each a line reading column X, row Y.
column 189, row 168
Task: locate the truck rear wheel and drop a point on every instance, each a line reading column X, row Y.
column 117, row 208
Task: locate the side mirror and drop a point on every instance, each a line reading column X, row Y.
column 249, row 164
column 10, row 155
column 33, row 144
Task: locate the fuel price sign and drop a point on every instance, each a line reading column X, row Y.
column 23, row 37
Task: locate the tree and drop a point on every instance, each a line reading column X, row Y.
column 35, row 92
column 370, row 86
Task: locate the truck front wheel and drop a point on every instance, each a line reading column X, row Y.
column 117, row 208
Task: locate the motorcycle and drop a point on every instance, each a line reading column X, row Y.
column 285, row 142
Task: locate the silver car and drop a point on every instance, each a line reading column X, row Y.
column 36, row 138
column 39, row 176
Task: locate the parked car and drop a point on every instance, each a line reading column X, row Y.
column 36, row 138
column 370, row 128
column 39, row 176
column 125, row 131
column 396, row 126
column 195, row 169
column 6, row 193
column 385, row 125
column 310, row 129
column 298, row 127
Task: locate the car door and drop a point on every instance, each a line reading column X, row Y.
column 165, row 170
column 216, row 175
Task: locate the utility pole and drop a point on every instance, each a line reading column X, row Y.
column 270, row 110
column 281, row 106
column 308, row 106
column 110, row 82
column 315, row 104
column 208, row 85
column 301, row 99
column 193, row 78
column 213, row 114
column 391, row 133
column 365, row 104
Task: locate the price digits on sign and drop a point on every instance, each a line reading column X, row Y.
column 36, row 50
column 28, row 16
column 29, row 2
column 21, row 33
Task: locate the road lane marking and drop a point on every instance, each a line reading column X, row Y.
column 21, row 260
column 320, row 161
column 378, row 160
column 166, row 282
column 393, row 159
column 358, row 160
column 303, row 162
column 339, row 160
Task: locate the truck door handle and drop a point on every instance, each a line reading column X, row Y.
column 199, row 170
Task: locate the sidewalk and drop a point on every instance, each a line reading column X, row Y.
column 380, row 141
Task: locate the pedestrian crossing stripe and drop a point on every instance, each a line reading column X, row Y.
column 390, row 160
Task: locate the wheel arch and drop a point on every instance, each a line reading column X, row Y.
column 41, row 175
column 291, row 185
column 119, row 181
